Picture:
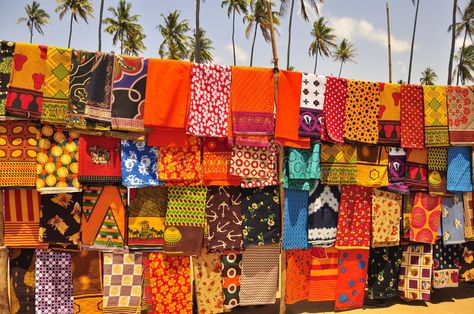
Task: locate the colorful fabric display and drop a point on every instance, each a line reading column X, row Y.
column 415, row 272
column 22, row 278
column 436, row 116
column 103, row 217
column 224, row 218
column 452, row 219
column 215, row 162
column 56, row 85
column 298, row 268
column 412, row 116
column 128, row 93
column 362, row 111
column 296, row 184
column 86, row 267
column 351, row 278
column 468, row 215
column 259, row 279
column 295, row 227
column 466, row 271
column 386, row 212
column 408, row 203
column 183, row 240
column 459, row 169
column 304, row 163
column 461, row 114
column 208, row 283
column 186, row 206
column 384, row 267
column 231, row 272
column 323, row 275
column 437, row 170
column 417, row 169
column 6, row 61
column 396, row 170
column 99, row 160
column 313, row 88
column 210, row 100
column 25, row 94
column 354, row 221
column 261, row 215
column 139, row 164
column 389, row 116
column 332, row 125
column 146, row 218
column 338, row 164
column 147, row 299
column 57, row 159
column 446, row 265
column 322, row 215
column 18, row 147
column 425, row 218
column 53, row 282
column 372, row 162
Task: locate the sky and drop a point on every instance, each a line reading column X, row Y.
column 363, row 22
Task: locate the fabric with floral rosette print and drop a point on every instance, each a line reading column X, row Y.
column 425, row 218
column 452, row 219
column 254, row 162
column 384, row 266
column 298, row 268
column 139, row 164
column 332, row 125
column 461, row 114
column 386, row 212
column 414, row 282
column 446, row 265
column 412, row 116
column 208, row 284
column 6, row 61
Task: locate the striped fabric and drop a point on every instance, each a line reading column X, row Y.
column 22, row 209
column 322, row 285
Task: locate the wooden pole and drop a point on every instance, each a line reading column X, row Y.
column 389, row 45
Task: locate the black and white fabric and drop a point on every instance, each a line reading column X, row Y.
column 313, row 88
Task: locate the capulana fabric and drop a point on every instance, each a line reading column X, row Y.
column 313, row 88
column 446, row 265
column 415, row 272
column 139, row 164
column 386, row 212
column 389, row 116
column 452, row 219
column 425, row 218
column 304, row 163
column 384, row 266
column 437, row 170
column 298, row 269
column 436, row 116
column 6, row 61
column 412, row 116
column 295, row 227
column 466, row 271
column 461, row 114
column 332, row 125
column 468, row 215
column 459, row 169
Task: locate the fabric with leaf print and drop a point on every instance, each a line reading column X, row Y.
column 298, row 269
column 446, row 265
column 384, row 265
column 452, row 219
column 466, row 271
column 386, row 211
column 139, row 164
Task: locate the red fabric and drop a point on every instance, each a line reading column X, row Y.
column 297, row 275
column 425, row 218
column 412, row 116
column 332, row 124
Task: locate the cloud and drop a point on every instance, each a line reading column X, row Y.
column 240, row 54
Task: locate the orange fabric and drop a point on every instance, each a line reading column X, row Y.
column 288, row 109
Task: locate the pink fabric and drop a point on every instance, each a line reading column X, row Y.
column 332, row 124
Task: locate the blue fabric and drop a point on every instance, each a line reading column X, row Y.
column 139, row 164
column 452, row 219
column 295, row 232
column 304, row 163
column 459, row 169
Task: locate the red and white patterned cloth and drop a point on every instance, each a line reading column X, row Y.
column 255, row 163
column 332, row 125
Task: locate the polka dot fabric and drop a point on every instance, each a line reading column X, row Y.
column 298, row 270
column 332, row 124
column 362, row 110
column 412, row 116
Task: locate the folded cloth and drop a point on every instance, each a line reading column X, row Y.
column 354, row 221
column 296, row 184
column 396, row 170
column 384, row 267
column 415, row 272
column 87, row 282
column 322, row 215
column 412, row 116
column 372, row 162
column 304, row 163
column 461, row 114
column 332, row 124
column 298, row 270
column 386, row 213
column 408, row 202
column 18, row 146
column 466, row 271
column 128, row 93
column 436, row 116
column 215, row 162
column 6, row 60
column 468, row 215
column 186, row 206
column 389, row 115
column 323, row 275
column 103, row 217
column 425, row 218
column 437, row 170
column 254, row 162
column 259, row 279
column 99, row 160
column 417, row 169
column 261, row 215
column 295, row 226
column 183, row 240
column 313, row 88
column 338, row 164
column 25, row 94
column 22, row 278
column 351, row 277
column 53, row 282
column 446, row 265
column 231, row 272
column 362, row 112
column 210, row 100
column 166, row 101
column 139, row 164
column 459, row 169
column 452, row 219
column 224, row 218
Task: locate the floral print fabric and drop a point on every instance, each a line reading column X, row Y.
column 386, row 212
column 466, row 271
column 446, row 265
column 208, row 284
column 425, row 218
column 452, row 219
column 415, row 272
column 298, row 268
column 139, row 164
column 384, row 266
column 461, row 114
column 412, row 116
column 295, row 227
column 177, row 164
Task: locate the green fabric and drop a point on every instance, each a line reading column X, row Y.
column 304, row 163
column 186, row 206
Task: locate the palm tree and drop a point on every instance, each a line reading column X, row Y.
column 205, row 45
column 322, row 42
column 35, row 18
column 175, row 40
column 344, row 52
column 259, row 18
column 428, row 77
column 101, row 17
column 123, row 25
column 235, row 6
column 413, row 38
column 401, row 82
column 453, row 39
column 79, row 8
column 304, row 14
column 466, row 68
column 133, row 45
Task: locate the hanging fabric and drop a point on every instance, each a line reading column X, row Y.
column 139, row 164
column 295, row 226
column 466, row 270
column 371, row 169
column 408, row 203
column 22, row 277
column 6, row 60
column 303, row 164
column 386, row 212
column 468, row 201
column 298, row 267
column 446, row 265
column 436, row 116
column 425, row 218
column 452, row 219
column 332, row 125
column 412, row 116
column 461, row 114
column 231, row 272
column 215, row 162
column 87, row 281
column 384, row 267
column 313, row 88
column 389, row 115
column 437, row 170
column 338, row 164
column 459, row 169
column 323, row 275
column 396, row 170
column 417, row 170
column 415, row 273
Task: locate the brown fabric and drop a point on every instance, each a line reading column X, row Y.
column 4, row 309
column 87, row 282
column 183, row 240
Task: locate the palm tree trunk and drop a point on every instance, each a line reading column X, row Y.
column 316, row 58
column 31, row 34
column 413, row 41
column 197, row 55
column 70, row 32
column 101, row 14
column 461, row 55
column 389, row 45
column 253, row 44
column 233, row 34
column 289, row 35
column 340, row 69
column 453, row 39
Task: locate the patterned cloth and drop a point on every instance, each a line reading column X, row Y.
column 53, row 282
column 461, row 114
column 57, row 160
column 210, row 100
column 389, row 116
column 183, row 240
column 304, row 163
column 139, row 164
column 452, row 219
column 123, row 276
column 446, row 265
column 56, row 86
column 384, row 267
column 362, row 111
column 408, row 203
column 295, row 227
column 215, row 162
column 128, row 93
column 417, row 169
column 425, row 218
column 354, row 222
column 351, row 277
column 60, row 218
column 313, row 88
column 323, row 275
column 231, row 272
column 295, row 184
column 459, row 169
column 298, row 269
column 224, row 218
column 181, row 163
column 261, row 215
column 6, row 62
column 437, row 170
column 22, row 278
column 468, row 215
column 386, row 212
column 412, row 116
column 254, row 162
column 87, row 281
column 436, row 116
column 338, row 164
column 186, row 206
column 332, row 125
column 372, row 162
column 259, row 279
column 466, row 270
column 322, row 215
column 208, row 284
column 415, row 272
column 396, row 170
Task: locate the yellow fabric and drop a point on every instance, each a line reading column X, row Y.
column 372, row 163
column 391, row 111
column 436, row 116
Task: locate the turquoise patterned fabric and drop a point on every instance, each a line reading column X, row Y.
column 304, row 163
